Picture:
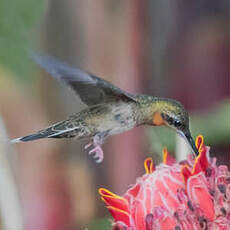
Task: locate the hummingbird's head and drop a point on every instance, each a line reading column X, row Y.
column 171, row 113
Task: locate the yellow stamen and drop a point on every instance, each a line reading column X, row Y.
column 165, row 155
column 149, row 165
column 106, row 193
column 199, row 142
column 199, row 145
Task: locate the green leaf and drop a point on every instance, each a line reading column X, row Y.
column 100, row 224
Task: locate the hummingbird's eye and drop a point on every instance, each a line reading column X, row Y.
column 177, row 123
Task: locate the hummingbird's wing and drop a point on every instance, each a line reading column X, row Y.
column 91, row 89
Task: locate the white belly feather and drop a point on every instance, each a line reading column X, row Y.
column 119, row 119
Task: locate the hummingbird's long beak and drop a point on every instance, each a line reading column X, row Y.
column 191, row 142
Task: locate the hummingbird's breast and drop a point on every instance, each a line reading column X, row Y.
column 113, row 118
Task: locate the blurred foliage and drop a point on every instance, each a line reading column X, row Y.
column 160, row 137
column 214, row 125
column 100, row 224
column 16, row 21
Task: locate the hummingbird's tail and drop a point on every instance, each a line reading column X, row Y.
column 59, row 130
column 31, row 137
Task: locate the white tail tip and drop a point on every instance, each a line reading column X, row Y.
column 16, row 140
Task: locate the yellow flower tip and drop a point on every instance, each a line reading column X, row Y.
column 165, row 155
column 199, row 142
column 149, row 165
column 106, row 193
column 101, row 191
column 102, row 198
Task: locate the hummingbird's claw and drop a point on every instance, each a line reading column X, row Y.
column 88, row 145
column 97, row 151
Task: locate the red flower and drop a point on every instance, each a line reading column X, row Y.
column 192, row 194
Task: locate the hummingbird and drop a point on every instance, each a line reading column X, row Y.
column 109, row 111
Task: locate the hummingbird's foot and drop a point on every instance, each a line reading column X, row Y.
column 99, row 155
column 96, row 142
column 88, row 145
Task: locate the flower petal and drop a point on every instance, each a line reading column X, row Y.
column 132, row 192
column 186, row 173
column 168, row 223
column 199, row 194
column 139, row 215
column 113, row 200
column 119, row 215
column 201, row 162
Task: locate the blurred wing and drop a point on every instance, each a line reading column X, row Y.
column 91, row 89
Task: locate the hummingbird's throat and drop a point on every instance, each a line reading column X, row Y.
column 158, row 119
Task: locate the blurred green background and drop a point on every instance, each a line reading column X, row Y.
column 18, row 19
column 175, row 49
